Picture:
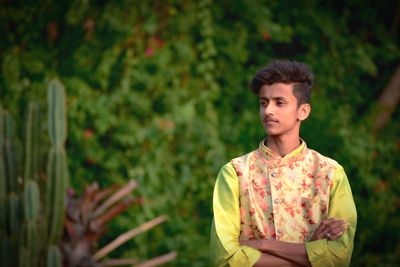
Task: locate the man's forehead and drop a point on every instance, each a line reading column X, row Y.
column 276, row 91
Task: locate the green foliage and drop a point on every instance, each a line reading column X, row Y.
column 157, row 93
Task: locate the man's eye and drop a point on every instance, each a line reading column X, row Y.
column 280, row 103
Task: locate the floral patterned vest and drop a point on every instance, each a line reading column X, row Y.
column 283, row 198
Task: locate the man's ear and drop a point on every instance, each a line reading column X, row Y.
column 303, row 111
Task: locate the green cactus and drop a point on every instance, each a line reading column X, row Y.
column 53, row 257
column 9, row 156
column 57, row 113
column 57, row 168
column 29, row 245
column 31, row 201
column 14, row 221
column 3, row 182
column 14, row 214
column 27, row 223
column 32, row 143
column 57, row 173
column 32, row 242
column 31, row 211
column 7, row 249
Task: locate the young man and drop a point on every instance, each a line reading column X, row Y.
column 283, row 204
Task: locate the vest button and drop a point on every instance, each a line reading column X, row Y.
column 277, row 200
column 273, row 174
column 279, row 230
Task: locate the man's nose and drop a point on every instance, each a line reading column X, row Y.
column 268, row 110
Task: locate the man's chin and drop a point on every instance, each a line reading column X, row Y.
column 272, row 133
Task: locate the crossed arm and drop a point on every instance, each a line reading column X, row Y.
column 280, row 253
column 320, row 251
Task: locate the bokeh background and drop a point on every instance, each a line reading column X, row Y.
column 158, row 92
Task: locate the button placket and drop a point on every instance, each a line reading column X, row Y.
column 277, row 197
column 273, row 171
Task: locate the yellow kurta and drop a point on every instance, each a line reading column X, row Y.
column 264, row 196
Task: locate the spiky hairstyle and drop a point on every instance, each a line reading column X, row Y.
column 288, row 72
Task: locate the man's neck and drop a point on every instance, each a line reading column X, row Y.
column 283, row 145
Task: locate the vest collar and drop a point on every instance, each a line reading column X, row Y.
column 295, row 155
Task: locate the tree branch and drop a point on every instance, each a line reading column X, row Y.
column 128, row 235
column 387, row 102
column 158, row 260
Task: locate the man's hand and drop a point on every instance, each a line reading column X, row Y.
column 330, row 229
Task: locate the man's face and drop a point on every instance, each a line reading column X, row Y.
column 279, row 112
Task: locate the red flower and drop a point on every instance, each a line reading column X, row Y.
column 149, row 52
column 159, row 42
column 90, row 162
column 266, row 36
column 87, row 134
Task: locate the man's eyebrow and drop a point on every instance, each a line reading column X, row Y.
column 273, row 98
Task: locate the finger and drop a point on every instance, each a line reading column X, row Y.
column 323, row 228
column 334, row 230
column 338, row 232
column 328, row 224
column 332, row 221
column 337, row 220
column 325, row 223
column 336, row 236
column 324, row 233
column 336, row 224
column 338, row 228
column 327, row 231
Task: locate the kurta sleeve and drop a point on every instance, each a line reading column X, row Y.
column 341, row 205
column 225, row 229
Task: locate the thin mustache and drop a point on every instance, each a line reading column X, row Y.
column 267, row 119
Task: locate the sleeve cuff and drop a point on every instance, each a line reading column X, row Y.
column 316, row 250
column 252, row 254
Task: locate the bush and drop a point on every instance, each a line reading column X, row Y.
column 157, row 93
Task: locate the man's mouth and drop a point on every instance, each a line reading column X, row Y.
column 270, row 120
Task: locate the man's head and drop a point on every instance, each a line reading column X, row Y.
column 289, row 72
column 284, row 89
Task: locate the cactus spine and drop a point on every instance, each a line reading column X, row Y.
column 57, row 169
